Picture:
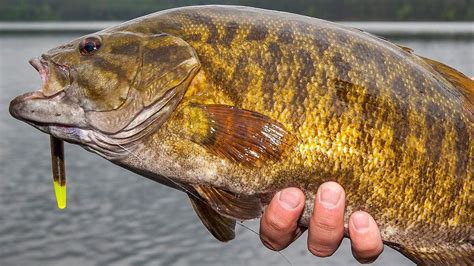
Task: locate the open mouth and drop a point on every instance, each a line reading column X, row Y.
column 43, row 106
column 54, row 76
column 41, row 66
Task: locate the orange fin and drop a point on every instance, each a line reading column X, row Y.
column 464, row 84
column 233, row 206
column 242, row 136
column 222, row 228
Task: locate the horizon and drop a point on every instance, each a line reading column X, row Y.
column 446, row 29
column 335, row 10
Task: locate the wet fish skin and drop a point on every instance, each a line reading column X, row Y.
column 371, row 115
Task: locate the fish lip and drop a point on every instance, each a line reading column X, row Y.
column 41, row 65
column 32, row 95
column 22, row 98
column 46, row 127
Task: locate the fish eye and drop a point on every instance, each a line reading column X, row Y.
column 89, row 45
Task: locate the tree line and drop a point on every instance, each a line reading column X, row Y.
column 363, row 10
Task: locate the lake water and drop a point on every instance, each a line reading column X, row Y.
column 115, row 217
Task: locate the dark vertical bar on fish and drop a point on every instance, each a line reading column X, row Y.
column 59, row 175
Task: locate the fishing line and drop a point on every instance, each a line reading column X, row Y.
column 258, row 234
column 140, row 160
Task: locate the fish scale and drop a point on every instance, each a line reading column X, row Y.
column 375, row 141
column 232, row 104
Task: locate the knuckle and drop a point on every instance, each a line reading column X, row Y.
column 369, row 252
column 326, row 225
column 377, row 251
column 279, row 225
column 366, row 260
column 321, row 250
column 373, row 249
column 270, row 244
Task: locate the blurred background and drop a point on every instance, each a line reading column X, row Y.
column 115, row 217
column 364, row 10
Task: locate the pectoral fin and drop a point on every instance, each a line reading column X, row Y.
column 242, row 136
column 234, row 206
column 222, row 228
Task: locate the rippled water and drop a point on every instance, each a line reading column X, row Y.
column 114, row 216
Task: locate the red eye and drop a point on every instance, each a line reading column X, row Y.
column 89, row 45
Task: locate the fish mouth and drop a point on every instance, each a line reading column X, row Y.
column 48, row 106
column 41, row 65
column 17, row 105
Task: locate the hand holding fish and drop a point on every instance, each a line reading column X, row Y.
column 279, row 226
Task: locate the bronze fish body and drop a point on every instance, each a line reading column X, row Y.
column 232, row 104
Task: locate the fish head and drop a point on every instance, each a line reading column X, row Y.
column 109, row 89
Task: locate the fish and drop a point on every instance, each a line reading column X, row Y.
column 231, row 104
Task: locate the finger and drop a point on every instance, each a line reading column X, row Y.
column 365, row 237
column 278, row 226
column 326, row 227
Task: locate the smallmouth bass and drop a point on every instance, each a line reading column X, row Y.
column 232, row 104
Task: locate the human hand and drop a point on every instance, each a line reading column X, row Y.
column 278, row 226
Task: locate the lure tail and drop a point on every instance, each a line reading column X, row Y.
column 59, row 176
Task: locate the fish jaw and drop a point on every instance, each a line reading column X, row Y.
column 50, row 106
column 36, row 108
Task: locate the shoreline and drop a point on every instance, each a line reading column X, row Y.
column 384, row 28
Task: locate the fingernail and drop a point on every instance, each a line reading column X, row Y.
column 360, row 221
column 329, row 197
column 290, row 198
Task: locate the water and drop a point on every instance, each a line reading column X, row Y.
column 114, row 216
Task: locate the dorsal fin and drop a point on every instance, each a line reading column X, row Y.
column 464, row 84
column 405, row 48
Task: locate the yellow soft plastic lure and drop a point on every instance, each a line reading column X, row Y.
column 59, row 175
